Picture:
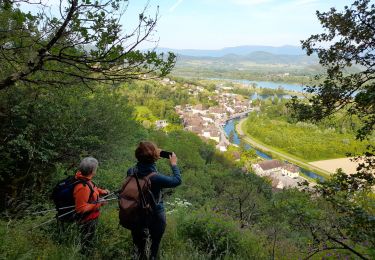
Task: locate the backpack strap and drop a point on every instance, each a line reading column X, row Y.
column 156, row 202
column 91, row 187
column 135, row 175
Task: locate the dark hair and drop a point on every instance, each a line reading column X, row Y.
column 147, row 152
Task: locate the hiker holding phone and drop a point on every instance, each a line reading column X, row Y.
column 141, row 204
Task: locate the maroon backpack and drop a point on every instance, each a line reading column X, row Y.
column 136, row 201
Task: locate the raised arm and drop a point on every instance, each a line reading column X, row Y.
column 169, row 181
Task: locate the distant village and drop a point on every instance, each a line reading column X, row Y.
column 208, row 122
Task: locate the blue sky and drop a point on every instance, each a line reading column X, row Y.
column 214, row 24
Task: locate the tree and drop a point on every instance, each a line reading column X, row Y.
column 76, row 43
column 349, row 86
column 207, row 151
column 243, row 197
column 81, row 41
column 349, row 61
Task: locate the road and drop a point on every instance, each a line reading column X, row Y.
column 255, row 144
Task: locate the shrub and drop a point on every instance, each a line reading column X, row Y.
column 210, row 233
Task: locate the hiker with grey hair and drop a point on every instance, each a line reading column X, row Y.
column 86, row 196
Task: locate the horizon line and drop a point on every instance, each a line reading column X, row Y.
column 222, row 48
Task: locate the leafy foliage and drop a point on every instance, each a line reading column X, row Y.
column 84, row 43
column 41, row 128
column 351, row 37
column 309, row 141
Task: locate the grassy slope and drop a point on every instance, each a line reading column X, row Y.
column 302, row 141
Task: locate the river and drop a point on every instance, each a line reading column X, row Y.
column 267, row 84
column 230, row 126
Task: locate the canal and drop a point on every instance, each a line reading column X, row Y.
column 230, row 126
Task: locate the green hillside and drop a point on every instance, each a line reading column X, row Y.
column 218, row 212
column 76, row 81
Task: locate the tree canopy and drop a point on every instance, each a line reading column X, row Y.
column 349, row 82
column 349, row 86
column 77, row 41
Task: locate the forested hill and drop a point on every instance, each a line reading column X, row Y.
column 220, row 211
column 259, row 57
column 239, row 50
column 62, row 100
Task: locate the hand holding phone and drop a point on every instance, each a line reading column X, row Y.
column 173, row 159
column 165, row 154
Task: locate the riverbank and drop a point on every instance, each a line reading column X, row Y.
column 275, row 152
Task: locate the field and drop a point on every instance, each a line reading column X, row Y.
column 346, row 164
column 304, row 140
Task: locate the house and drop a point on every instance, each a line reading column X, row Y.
column 161, row 124
column 200, row 89
column 207, row 119
column 267, row 168
column 221, row 146
column 198, row 109
column 290, row 170
column 217, row 112
column 211, row 133
column 230, row 110
column 193, row 121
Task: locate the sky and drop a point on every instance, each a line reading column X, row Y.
column 215, row 24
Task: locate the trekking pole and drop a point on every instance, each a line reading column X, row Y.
column 68, row 207
column 110, row 194
column 48, row 210
column 100, row 201
column 53, row 219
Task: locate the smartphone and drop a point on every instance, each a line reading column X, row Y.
column 165, row 154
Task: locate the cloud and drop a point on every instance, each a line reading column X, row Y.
column 173, row 7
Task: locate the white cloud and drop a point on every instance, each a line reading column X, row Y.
column 173, row 7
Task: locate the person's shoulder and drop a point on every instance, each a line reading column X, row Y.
column 81, row 186
column 130, row 171
column 155, row 176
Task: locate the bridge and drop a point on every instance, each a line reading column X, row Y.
column 241, row 115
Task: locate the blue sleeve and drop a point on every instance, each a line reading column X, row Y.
column 169, row 181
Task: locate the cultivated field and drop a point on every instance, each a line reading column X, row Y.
column 331, row 166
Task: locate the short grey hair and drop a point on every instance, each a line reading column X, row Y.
column 88, row 165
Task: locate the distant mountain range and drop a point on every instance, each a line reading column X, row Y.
column 239, row 50
column 258, row 57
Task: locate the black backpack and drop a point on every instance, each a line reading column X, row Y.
column 62, row 196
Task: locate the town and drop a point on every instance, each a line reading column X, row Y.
column 208, row 121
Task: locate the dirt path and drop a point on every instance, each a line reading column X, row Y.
column 239, row 129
